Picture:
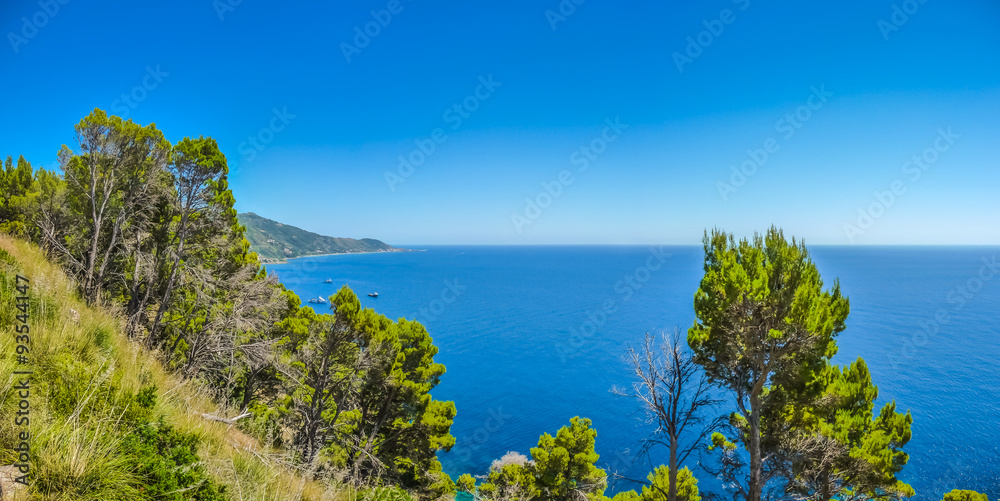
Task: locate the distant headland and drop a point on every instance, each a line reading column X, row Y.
column 276, row 242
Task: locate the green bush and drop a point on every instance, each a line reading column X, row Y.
column 265, row 424
column 385, row 493
column 167, row 464
column 961, row 495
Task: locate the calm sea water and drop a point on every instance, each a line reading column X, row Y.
column 533, row 336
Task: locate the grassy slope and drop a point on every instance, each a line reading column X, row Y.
column 81, row 356
column 275, row 241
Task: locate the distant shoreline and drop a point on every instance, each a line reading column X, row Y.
column 286, row 260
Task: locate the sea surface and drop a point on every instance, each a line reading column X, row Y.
column 534, row 335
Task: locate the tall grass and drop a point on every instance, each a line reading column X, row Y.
column 84, row 399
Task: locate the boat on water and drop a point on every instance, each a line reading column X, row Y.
column 318, row 300
column 328, row 281
column 373, row 294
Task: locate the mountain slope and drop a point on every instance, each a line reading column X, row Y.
column 107, row 421
column 275, row 242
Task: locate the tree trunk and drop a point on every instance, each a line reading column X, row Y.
column 248, row 388
column 88, row 275
column 135, row 303
column 755, row 488
column 164, row 302
column 672, row 495
column 314, row 414
column 95, row 220
column 825, row 489
column 193, row 351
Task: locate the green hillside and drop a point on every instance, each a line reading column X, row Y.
column 107, row 421
column 276, row 242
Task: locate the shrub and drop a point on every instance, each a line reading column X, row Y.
column 167, row 464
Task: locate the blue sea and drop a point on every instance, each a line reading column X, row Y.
column 534, row 335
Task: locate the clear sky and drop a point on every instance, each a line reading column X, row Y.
column 832, row 101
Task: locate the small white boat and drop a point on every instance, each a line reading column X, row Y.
column 328, row 281
column 373, row 294
column 318, row 300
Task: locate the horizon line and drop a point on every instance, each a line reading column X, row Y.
column 413, row 246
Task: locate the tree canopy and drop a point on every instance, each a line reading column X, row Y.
column 765, row 332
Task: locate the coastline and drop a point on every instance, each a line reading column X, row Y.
column 267, row 261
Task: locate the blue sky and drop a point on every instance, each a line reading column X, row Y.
column 839, row 96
